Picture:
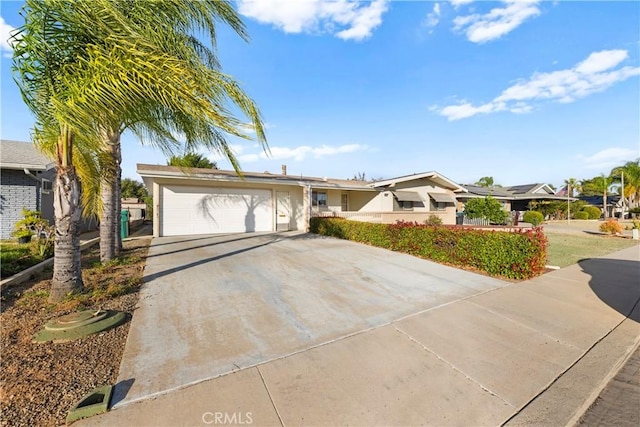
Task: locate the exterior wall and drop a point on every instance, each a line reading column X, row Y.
column 299, row 217
column 423, row 187
column 382, row 202
column 17, row 191
column 356, row 200
column 359, row 199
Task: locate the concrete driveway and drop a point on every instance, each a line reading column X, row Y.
column 289, row 329
column 216, row 304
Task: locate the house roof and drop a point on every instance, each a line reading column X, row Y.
column 515, row 192
column 497, row 192
column 529, row 188
column 161, row 171
column 612, row 200
column 441, row 180
column 22, row 155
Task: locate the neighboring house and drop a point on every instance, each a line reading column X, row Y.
column 136, row 208
column 26, row 177
column 26, row 181
column 513, row 198
column 614, row 204
column 205, row 201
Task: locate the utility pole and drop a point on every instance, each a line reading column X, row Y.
column 622, row 196
column 569, row 191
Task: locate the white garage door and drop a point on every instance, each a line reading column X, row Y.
column 200, row 210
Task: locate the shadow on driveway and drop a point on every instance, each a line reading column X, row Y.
column 616, row 283
column 163, row 273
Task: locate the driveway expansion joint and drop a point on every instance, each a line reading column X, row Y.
column 266, row 387
column 473, row 380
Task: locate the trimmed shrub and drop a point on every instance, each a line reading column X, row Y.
column 581, row 215
column 433, row 220
column 592, row 211
column 514, row 255
column 533, row 217
column 611, row 226
column 488, row 208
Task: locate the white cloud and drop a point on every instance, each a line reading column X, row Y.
column 5, row 34
column 457, row 3
column 302, row 152
column 592, row 75
column 433, row 18
column 347, row 20
column 497, row 22
column 609, row 158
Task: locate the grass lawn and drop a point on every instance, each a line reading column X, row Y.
column 567, row 249
column 15, row 257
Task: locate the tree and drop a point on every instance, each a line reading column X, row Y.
column 631, row 190
column 169, row 25
column 485, row 181
column 359, row 176
column 572, row 186
column 192, row 160
column 132, row 188
column 89, row 70
column 597, row 186
column 488, row 208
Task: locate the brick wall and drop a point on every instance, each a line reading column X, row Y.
column 17, row 191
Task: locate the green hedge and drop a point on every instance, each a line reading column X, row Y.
column 513, row 255
column 581, row 215
column 592, row 211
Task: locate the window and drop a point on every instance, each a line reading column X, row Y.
column 47, row 186
column 440, row 206
column 406, row 205
column 319, row 198
column 345, row 202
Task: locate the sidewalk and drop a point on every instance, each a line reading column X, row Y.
column 536, row 352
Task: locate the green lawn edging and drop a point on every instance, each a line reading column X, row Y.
column 514, row 254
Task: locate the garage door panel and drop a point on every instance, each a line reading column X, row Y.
column 198, row 210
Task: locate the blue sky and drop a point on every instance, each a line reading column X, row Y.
column 524, row 91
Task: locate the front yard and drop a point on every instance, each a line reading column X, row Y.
column 41, row 382
column 565, row 249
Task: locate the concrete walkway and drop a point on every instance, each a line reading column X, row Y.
column 536, row 352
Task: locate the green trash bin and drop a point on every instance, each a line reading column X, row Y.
column 124, row 224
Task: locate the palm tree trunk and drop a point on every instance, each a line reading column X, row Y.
column 107, row 220
column 110, row 222
column 67, row 273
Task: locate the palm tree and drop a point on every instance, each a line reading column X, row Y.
column 598, row 185
column 631, row 190
column 89, row 70
column 485, row 181
column 572, row 185
column 169, row 24
column 192, row 160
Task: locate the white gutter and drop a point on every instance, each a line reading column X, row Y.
column 28, row 172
